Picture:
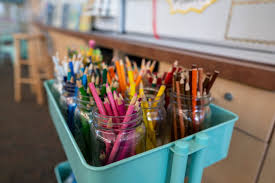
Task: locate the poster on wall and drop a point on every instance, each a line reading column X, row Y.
column 185, row 6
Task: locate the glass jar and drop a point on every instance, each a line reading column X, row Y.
column 82, row 121
column 113, row 140
column 57, row 86
column 167, row 95
column 154, row 116
column 67, row 103
column 188, row 115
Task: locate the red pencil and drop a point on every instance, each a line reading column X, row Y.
column 194, row 95
column 168, row 78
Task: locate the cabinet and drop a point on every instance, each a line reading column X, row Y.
column 268, row 175
column 242, row 163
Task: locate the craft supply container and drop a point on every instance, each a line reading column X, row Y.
column 185, row 117
column 113, row 140
column 172, row 162
column 67, row 104
column 57, row 86
column 155, row 119
column 82, row 123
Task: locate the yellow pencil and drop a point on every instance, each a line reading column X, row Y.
column 141, row 90
column 160, row 92
column 129, row 71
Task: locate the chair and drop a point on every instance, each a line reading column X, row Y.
column 38, row 64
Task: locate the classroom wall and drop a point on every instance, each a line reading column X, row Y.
column 248, row 22
column 208, row 25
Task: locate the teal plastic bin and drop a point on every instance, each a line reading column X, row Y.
column 62, row 171
column 174, row 162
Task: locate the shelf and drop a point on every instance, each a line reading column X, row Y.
column 243, row 71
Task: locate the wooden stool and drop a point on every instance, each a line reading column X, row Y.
column 45, row 64
column 34, row 62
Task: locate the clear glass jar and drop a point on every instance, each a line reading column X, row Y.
column 57, row 86
column 67, row 103
column 167, row 95
column 113, row 140
column 188, row 115
column 154, row 116
column 82, row 122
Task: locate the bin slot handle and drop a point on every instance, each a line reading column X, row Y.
column 181, row 150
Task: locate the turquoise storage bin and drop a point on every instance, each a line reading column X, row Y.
column 62, row 171
column 173, row 162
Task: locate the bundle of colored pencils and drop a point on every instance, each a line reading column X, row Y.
column 134, row 76
column 72, row 63
column 89, row 54
column 117, row 116
column 191, row 91
column 151, row 116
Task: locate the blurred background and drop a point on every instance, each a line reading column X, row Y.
column 235, row 37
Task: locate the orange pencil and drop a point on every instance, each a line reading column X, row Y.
column 135, row 70
column 119, row 74
column 109, row 78
column 112, row 72
column 139, row 77
column 122, row 70
column 194, row 95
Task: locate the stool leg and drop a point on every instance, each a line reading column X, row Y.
column 17, row 84
column 17, row 73
column 40, row 97
column 36, row 85
column 33, row 90
column 46, row 64
column 35, row 72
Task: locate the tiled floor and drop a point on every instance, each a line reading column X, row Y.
column 29, row 146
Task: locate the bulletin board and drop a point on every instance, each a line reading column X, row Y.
column 259, row 29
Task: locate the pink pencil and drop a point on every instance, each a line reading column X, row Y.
column 101, row 110
column 127, row 118
column 115, row 98
column 97, row 99
column 120, row 106
column 108, row 107
column 111, row 99
column 129, row 147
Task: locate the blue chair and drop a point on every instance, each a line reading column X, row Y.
column 7, row 48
